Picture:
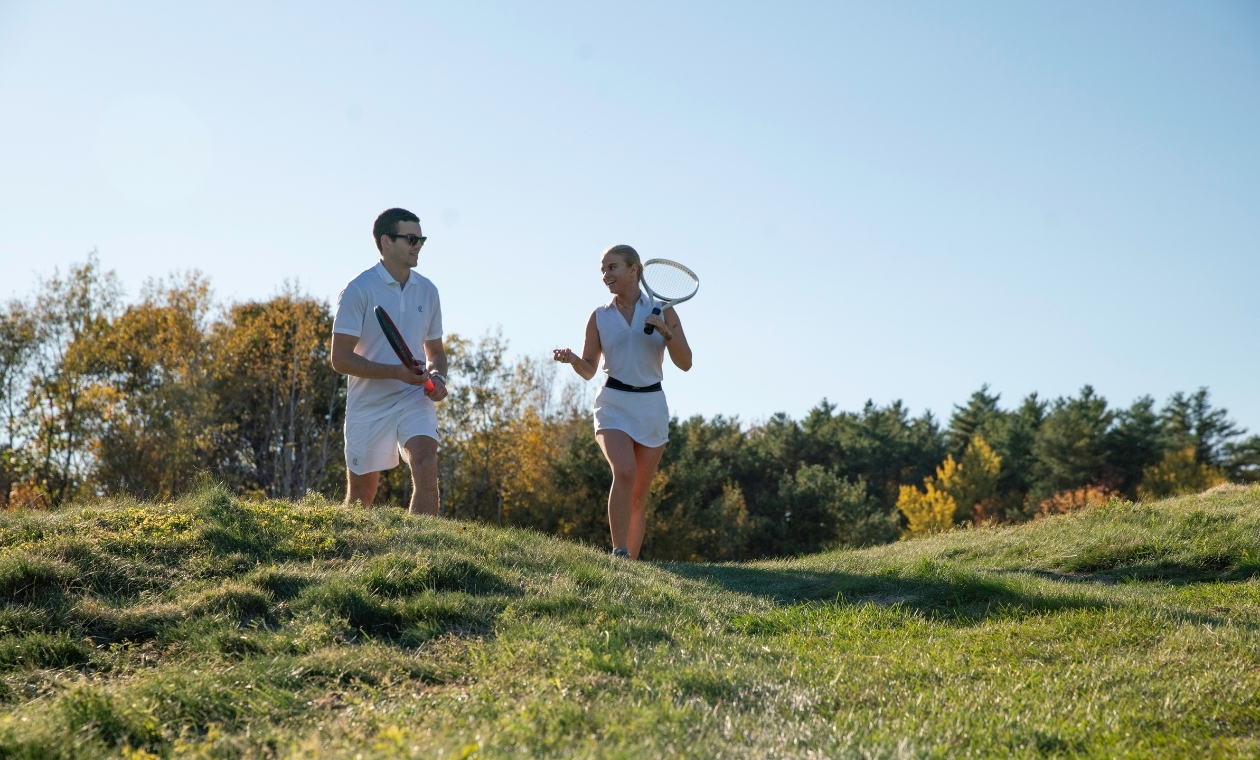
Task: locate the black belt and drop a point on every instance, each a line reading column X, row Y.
column 617, row 385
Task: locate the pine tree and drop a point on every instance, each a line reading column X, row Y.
column 1137, row 442
column 1190, row 420
column 1013, row 441
column 1242, row 460
column 981, row 415
column 1070, row 447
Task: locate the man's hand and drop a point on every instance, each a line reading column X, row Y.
column 411, row 375
column 439, row 390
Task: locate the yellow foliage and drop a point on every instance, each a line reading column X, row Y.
column 1072, row 501
column 1178, row 473
column 927, row 512
column 26, row 495
column 977, row 476
column 955, row 491
column 500, row 433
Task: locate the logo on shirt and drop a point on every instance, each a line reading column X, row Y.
column 420, row 309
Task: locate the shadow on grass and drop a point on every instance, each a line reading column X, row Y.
column 1177, row 573
column 933, row 590
column 1171, row 573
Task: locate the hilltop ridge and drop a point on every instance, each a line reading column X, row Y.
column 219, row 627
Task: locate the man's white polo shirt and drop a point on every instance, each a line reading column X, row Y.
column 416, row 311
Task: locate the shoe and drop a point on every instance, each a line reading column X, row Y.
column 621, row 551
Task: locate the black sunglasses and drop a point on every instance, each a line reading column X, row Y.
column 416, row 240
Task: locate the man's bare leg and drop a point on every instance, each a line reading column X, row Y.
column 361, row 488
column 422, row 457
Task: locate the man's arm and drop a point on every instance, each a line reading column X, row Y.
column 347, row 362
column 435, row 355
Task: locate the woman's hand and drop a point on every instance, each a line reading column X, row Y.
column 658, row 321
column 583, row 363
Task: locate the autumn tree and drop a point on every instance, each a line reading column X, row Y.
column 928, row 511
column 1179, row 472
column 17, row 342
column 957, row 491
column 280, row 404
column 501, row 427
column 159, row 415
column 64, row 401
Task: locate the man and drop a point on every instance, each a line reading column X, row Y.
column 387, row 408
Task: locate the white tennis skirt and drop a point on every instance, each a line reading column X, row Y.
column 642, row 416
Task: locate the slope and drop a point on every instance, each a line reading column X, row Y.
column 218, row 627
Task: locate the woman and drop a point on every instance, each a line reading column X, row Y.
column 631, row 418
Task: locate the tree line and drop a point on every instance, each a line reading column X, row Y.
column 106, row 398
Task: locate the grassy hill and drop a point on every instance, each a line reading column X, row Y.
column 221, row 628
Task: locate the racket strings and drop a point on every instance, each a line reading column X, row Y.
column 669, row 282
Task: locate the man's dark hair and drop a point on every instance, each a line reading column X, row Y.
column 387, row 223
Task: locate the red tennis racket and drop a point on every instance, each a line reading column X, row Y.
column 399, row 345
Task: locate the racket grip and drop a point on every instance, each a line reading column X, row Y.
column 647, row 329
column 428, row 381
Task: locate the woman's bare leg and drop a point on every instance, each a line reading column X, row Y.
column 646, row 460
column 618, row 449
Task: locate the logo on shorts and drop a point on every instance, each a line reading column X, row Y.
column 354, row 461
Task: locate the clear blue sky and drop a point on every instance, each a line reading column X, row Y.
column 884, row 201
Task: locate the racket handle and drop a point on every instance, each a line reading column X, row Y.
column 428, row 381
column 647, row 329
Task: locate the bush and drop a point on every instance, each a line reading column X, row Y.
column 928, row 512
column 1075, row 500
column 959, row 491
column 822, row 510
column 1178, row 473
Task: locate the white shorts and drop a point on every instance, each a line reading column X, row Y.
column 374, row 445
column 642, row 416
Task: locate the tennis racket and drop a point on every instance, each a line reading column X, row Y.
column 668, row 282
column 399, row 345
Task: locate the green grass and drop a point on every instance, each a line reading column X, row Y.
column 223, row 628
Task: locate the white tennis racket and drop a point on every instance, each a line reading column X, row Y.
column 668, row 282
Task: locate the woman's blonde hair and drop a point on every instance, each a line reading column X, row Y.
column 628, row 255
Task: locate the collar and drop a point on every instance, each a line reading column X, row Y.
column 612, row 302
column 388, row 278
